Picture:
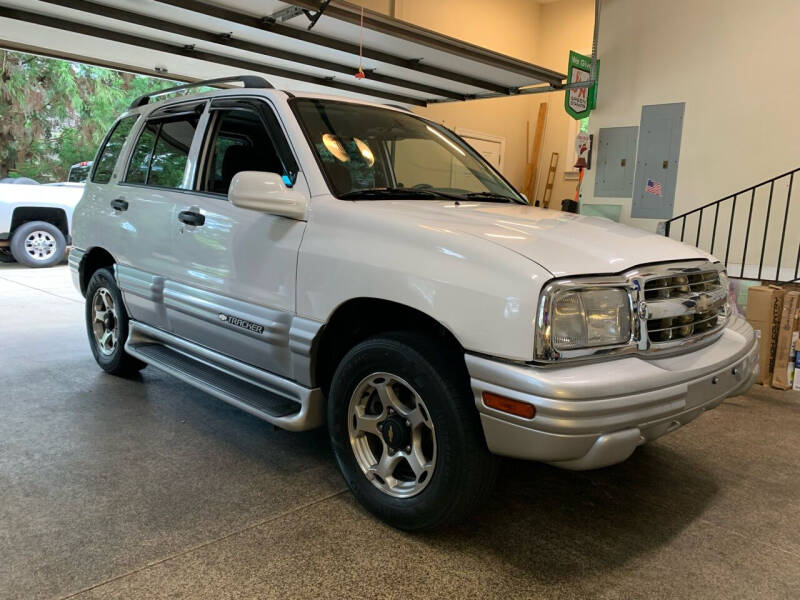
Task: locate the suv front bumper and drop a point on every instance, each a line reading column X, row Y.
column 595, row 414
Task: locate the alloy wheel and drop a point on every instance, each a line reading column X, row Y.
column 40, row 245
column 105, row 321
column 392, row 435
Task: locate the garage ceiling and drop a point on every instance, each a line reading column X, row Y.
column 198, row 40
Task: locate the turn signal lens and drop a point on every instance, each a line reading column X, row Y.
column 509, row 405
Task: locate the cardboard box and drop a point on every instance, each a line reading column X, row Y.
column 764, row 310
column 738, row 288
column 784, row 350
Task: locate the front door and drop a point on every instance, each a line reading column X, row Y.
column 235, row 289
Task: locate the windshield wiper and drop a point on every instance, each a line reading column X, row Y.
column 395, row 192
column 490, row 197
column 422, row 194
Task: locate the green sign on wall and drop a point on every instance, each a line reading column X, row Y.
column 580, row 101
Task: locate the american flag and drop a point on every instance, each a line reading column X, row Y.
column 653, row 187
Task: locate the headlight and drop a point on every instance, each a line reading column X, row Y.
column 580, row 317
column 731, row 306
column 724, row 281
column 589, row 318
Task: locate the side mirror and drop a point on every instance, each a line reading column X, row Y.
column 266, row 192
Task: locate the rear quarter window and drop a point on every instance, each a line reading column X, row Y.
column 109, row 153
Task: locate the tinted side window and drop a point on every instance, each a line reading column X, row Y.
column 107, row 158
column 239, row 142
column 140, row 157
column 223, row 142
column 171, row 152
column 162, row 152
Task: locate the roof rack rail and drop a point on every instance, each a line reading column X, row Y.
column 397, row 106
column 249, row 81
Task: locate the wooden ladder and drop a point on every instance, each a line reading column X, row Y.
column 551, row 179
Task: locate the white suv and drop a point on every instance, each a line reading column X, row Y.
column 313, row 259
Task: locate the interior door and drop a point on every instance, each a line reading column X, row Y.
column 235, row 290
column 488, row 146
column 491, row 150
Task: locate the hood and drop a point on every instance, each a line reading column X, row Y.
column 563, row 243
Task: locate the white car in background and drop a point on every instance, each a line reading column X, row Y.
column 36, row 220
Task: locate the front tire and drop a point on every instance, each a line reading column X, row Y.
column 38, row 244
column 406, row 434
column 107, row 325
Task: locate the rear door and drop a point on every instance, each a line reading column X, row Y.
column 98, row 224
column 155, row 180
column 235, row 289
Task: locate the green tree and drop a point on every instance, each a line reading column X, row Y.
column 54, row 113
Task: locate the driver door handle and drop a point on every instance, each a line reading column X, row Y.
column 119, row 204
column 191, row 217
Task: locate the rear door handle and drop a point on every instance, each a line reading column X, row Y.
column 119, row 204
column 191, row 217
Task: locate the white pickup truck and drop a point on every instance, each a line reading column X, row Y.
column 36, row 221
column 312, row 259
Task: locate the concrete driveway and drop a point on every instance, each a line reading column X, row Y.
column 147, row 488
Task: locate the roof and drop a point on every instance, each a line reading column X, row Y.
column 151, row 102
column 190, row 39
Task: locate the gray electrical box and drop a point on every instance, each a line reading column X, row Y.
column 657, row 161
column 616, row 162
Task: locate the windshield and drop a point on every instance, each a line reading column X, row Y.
column 370, row 153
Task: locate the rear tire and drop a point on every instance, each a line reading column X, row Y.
column 107, row 325
column 406, row 434
column 38, row 244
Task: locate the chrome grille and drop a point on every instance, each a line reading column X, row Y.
column 685, row 304
column 680, row 285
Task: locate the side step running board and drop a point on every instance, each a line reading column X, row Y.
column 265, row 395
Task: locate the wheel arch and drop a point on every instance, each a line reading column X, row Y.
column 55, row 216
column 357, row 319
column 94, row 259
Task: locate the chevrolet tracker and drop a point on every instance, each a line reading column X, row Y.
column 317, row 260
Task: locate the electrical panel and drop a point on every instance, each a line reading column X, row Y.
column 616, row 162
column 657, row 161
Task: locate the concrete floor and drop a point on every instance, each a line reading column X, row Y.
column 146, row 488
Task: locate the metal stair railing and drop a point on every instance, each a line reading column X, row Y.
column 733, row 223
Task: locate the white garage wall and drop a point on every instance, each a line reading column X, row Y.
column 734, row 64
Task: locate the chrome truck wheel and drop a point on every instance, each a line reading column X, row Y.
column 40, row 245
